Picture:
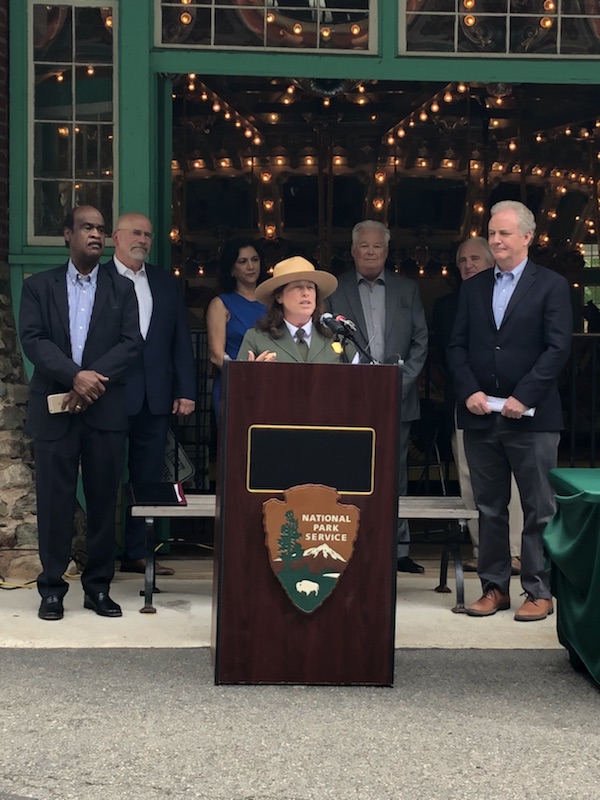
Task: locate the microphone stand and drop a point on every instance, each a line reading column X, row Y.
column 348, row 336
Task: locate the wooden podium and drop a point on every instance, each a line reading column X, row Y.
column 285, row 425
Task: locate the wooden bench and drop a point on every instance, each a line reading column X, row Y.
column 427, row 508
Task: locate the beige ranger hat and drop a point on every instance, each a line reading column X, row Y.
column 296, row 269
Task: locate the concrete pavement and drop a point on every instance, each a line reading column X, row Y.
column 183, row 618
column 148, row 724
column 126, row 709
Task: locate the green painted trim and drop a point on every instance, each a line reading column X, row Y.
column 49, row 256
column 17, row 276
column 40, row 257
column 163, row 218
column 136, row 115
column 388, row 28
column 18, row 100
column 410, row 68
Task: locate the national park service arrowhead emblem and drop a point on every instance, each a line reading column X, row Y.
column 310, row 537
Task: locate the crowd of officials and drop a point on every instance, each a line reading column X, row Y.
column 113, row 362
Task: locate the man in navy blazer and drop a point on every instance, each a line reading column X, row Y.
column 162, row 380
column 472, row 256
column 78, row 326
column 511, row 339
column 391, row 323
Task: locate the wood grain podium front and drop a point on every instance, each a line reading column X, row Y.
column 306, row 423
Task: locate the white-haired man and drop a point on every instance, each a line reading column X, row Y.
column 388, row 312
column 162, row 380
column 511, row 340
column 473, row 256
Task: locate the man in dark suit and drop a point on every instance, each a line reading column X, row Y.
column 511, row 340
column 78, row 326
column 473, row 256
column 391, row 323
column 162, row 380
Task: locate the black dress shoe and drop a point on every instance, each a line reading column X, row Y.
column 51, row 607
column 102, row 605
column 406, row 564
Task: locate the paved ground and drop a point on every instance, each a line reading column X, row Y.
column 96, row 709
column 139, row 724
column 423, row 618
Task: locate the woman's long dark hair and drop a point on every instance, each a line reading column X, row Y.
column 272, row 322
column 231, row 251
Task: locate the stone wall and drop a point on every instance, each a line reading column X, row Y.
column 18, row 529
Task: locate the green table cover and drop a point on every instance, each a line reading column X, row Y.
column 572, row 540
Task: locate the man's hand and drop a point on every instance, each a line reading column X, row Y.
column 74, row 403
column 477, row 404
column 183, row 406
column 89, row 384
column 513, row 408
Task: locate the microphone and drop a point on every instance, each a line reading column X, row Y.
column 344, row 327
column 329, row 321
column 347, row 323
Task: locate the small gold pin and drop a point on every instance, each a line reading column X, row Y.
column 337, row 348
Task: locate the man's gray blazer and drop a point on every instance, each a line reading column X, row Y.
column 406, row 333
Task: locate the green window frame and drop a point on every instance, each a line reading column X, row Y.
column 323, row 26
column 72, row 113
column 499, row 29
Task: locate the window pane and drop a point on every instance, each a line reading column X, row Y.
column 189, row 27
column 93, row 93
column 52, row 33
column 229, row 29
column 93, row 151
column 580, row 36
column 93, row 38
column 528, row 35
column 53, row 92
column 51, row 201
column 99, row 195
column 53, row 153
column 487, row 34
column 431, row 33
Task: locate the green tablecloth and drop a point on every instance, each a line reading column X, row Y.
column 572, row 539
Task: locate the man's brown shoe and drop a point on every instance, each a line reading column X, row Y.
column 139, row 566
column 470, row 565
column 491, row 600
column 515, row 566
column 534, row 609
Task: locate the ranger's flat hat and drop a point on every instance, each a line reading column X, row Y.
column 296, row 269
